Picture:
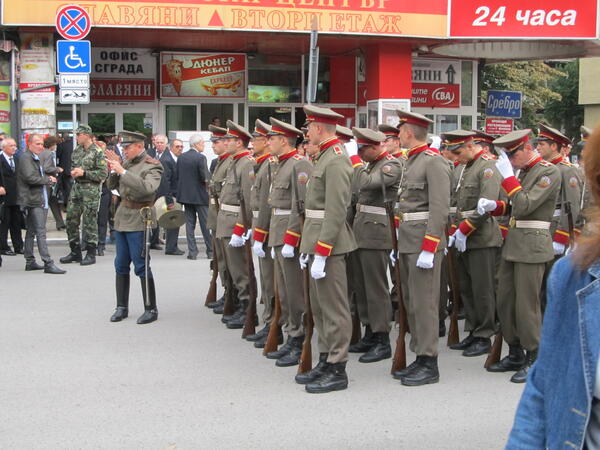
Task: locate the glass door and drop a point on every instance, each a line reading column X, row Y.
column 139, row 122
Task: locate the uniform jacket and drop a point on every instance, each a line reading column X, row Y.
column 138, row 184
column 285, row 229
column 215, row 185
column 192, row 178
column 532, row 197
column 586, row 201
column 425, row 186
column 92, row 161
column 168, row 183
column 556, row 404
column 30, row 182
column 238, row 181
column 480, row 179
column 261, row 211
column 570, row 191
column 328, row 190
column 8, row 180
column 372, row 228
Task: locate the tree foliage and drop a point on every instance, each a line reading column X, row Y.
column 566, row 114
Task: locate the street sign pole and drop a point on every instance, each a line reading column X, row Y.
column 74, row 126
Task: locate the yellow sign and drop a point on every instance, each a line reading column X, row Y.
column 366, row 17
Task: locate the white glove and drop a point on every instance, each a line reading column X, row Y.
column 451, row 240
column 236, row 241
column 436, row 142
column 317, row 270
column 393, row 257
column 504, row 166
column 425, row 260
column 303, row 260
column 287, row 251
column 273, row 253
column 460, row 241
column 484, row 205
column 247, row 235
column 258, row 250
column 559, row 248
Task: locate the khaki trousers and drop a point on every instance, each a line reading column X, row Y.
column 236, row 263
column 421, row 291
column 289, row 283
column 519, row 287
column 331, row 309
column 354, row 285
column 267, row 289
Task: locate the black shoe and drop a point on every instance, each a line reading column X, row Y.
column 521, row 375
column 53, row 269
column 239, row 318
column 120, row 314
column 381, row 350
column 314, row 373
column 334, row 378
column 90, row 256
column 510, row 363
column 398, row 374
column 100, row 251
column 480, row 346
column 73, row 256
column 292, row 358
column 150, row 313
column 465, row 343
column 285, row 348
column 33, row 266
column 19, row 251
column 122, row 289
column 365, row 343
column 213, row 305
column 192, row 257
column 426, row 372
column 261, row 342
column 156, row 247
column 219, row 308
column 8, row 252
column 61, row 227
column 442, row 330
column 176, row 252
column 256, row 336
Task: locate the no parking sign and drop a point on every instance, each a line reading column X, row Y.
column 73, row 22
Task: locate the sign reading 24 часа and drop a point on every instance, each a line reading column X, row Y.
column 504, row 104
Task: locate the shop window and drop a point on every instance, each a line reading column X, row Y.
column 323, row 78
column 102, row 123
column 274, row 79
column 264, row 112
column 64, row 119
column 209, row 111
column 241, row 113
column 444, row 123
column 139, row 122
column 299, row 118
column 180, row 118
column 466, row 85
column 466, row 122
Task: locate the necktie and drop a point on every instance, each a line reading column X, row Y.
column 12, row 163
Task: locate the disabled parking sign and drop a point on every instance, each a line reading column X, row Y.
column 73, row 56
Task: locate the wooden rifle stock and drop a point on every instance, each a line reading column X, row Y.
column 453, row 334
column 356, row 331
column 571, row 225
column 211, row 295
column 494, row 355
column 273, row 336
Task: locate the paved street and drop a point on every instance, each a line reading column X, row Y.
column 70, row 379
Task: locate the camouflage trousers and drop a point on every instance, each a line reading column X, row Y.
column 82, row 208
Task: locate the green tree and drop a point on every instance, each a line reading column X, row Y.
column 566, row 114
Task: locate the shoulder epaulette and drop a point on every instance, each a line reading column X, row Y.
column 337, row 150
column 298, row 157
column 487, row 157
column 389, row 157
column 272, row 159
column 431, row 153
column 566, row 163
column 251, row 158
column 151, row 160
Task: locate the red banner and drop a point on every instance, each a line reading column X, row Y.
column 524, row 18
column 496, row 125
column 432, row 95
column 127, row 90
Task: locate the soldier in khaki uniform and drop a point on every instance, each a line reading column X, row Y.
column 477, row 238
column 327, row 239
column 423, row 208
column 285, row 236
column 214, row 190
column 137, row 180
column 586, row 196
column 373, row 236
column 392, row 141
column 527, row 247
column 261, row 215
column 230, row 225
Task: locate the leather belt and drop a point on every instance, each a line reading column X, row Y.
column 371, row 209
column 281, row 212
column 315, row 213
column 230, row 208
column 467, row 214
column 408, row 217
column 135, row 205
column 255, row 214
column 534, row 224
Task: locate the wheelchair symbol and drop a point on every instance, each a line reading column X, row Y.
column 72, row 60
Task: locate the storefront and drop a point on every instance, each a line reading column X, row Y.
column 160, row 66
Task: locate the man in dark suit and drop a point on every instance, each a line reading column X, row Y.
column 11, row 219
column 48, row 160
column 192, row 193
column 64, row 150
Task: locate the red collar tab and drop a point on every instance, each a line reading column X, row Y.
column 224, row 156
column 260, row 159
column 418, row 149
column 557, row 160
column 288, row 155
column 329, row 143
column 456, row 163
column 382, row 155
column 241, row 155
column 533, row 162
column 478, row 155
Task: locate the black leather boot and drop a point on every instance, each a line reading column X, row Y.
column 398, row 374
column 284, row 349
column 73, row 256
column 122, row 287
column 263, row 340
column 365, row 343
column 510, row 363
column 442, row 328
column 219, row 309
column 479, row 346
column 334, row 378
column 292, row 358
column 521, row 375
column 465, row 343
column 90, row 256
column 100, row 250
column 214, row 304
column 150, row 313
column 381, row 349
column 314, row 373
column 239, row 318
column 256, row 336
column 426, row 372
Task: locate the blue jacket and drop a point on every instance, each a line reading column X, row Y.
column 556, row 404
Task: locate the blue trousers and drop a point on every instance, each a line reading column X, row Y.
column 130, row 248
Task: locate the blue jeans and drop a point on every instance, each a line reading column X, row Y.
column 130, row 247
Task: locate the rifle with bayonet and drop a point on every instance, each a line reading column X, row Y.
column 399, row 361
column 453, row 334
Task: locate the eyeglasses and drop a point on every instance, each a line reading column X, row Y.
column 178, row 146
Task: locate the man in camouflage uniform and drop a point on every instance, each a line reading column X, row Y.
column 423, row 207
column 527, row 248
column 89, row 171
column 137, row 180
